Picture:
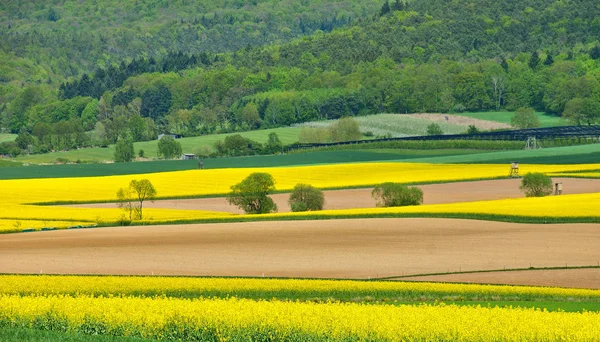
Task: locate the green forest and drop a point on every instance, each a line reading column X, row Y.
column 76, row 74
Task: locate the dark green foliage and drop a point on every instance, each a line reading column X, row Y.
column 124, row 151
column 237, row 145
column 536, row 185
column 434, row 129
column 141, row 153
column 273, row 145
column 252, row 194
column 473, row 130
column 168, row 147
column 305, row 197
column 156, row 102
column 385, row 8
column 595, row 52
column 549, row 59
column 396, row 195
column 534, row 60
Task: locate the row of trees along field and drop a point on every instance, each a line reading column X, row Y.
column 408, row 57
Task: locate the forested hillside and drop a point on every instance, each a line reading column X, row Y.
column 426, row 56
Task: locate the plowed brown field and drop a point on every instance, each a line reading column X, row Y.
column 353, row 248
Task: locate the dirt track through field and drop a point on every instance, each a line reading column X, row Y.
column 353, row 248
column 361, row 198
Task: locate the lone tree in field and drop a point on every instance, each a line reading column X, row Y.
column 396, row 195
column 536, row 185
column 525, row 118
column 124, row 151
column 168, row 147
column 252, row 194
column 305, row 197
column 434, row 129
column 132, row 199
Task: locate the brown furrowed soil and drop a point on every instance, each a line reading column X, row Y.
column 577, row 278
column 361, row 198
column 351, row 248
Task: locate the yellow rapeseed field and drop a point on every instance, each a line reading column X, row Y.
column 243, row 319
column 17, row 194
column 107, row 285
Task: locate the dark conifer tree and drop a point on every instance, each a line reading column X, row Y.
column 385, row 9
column 534, row 60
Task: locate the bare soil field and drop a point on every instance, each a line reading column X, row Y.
column 361, row 198
column 576, row 278
column 461, row 120
column 351, row 248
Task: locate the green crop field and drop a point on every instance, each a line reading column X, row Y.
column 321, row 157
column 546, row 120
column 287, row 135
column 582, row 154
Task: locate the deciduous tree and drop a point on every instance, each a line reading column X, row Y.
column 252, row 194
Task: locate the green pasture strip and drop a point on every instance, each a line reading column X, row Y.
column 287, row 135
column 309, row 158
column 7, row 137
column 96, row 170
column 581, row 154
column 546, row 120
column 281, row 288
column 9, row 163
column 20, row 334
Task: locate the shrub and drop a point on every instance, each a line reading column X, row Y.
column 124, row 151
column 305, row 197
column 473, row 130
column 251, row 194
column 168, row 147
column 345, row 129
column 536, row 185
column 434, row 129
column 396, row 195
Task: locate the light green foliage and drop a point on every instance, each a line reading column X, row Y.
column 252, row 194
column 168, row 147
column 305, row 197
column 124, row 151
column 314, row 135
column 396, row 195
column 536, row 185
column 581, row 111
column 525, row 118
column 345, row 129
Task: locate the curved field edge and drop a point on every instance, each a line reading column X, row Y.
column 306, row 289
column 209, row 183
